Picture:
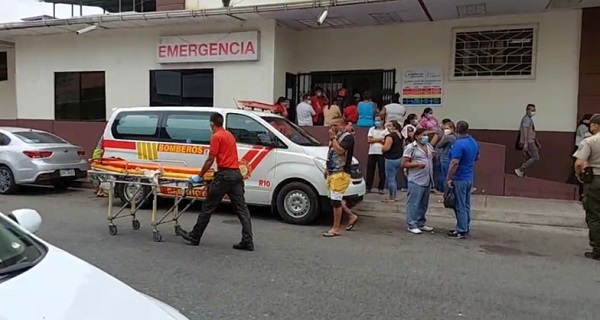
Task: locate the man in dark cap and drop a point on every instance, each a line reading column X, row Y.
column 587, row 170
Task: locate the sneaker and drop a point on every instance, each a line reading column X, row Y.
column 592, row 255
column 403, row 190
column 519, row 173
column 381, row 191
column 415, row 230
column 426, row 229
column 452, row 234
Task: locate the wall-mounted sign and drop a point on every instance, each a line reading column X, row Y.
column 235, row 46
column 422, row 87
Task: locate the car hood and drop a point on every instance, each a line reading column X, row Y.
column 63, row 287
column 321, row 152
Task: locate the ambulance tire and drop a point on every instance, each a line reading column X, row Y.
column 120, row 191
column 298, row 203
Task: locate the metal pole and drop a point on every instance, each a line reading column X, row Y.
column 120, row 6
column 53, row 10
column 80, row 8
column 72, row 10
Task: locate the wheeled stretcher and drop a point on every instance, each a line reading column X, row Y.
column 140, row 175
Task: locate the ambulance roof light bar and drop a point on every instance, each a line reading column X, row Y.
column 254, row 106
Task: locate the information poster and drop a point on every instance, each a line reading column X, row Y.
column 422, row 87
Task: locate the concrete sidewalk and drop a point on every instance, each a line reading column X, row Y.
column 487, row 208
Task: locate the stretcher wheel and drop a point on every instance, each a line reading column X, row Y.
column 156, row 236
column 135, row 224
column 112, row 230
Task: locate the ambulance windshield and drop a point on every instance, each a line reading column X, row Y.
column 292, row 131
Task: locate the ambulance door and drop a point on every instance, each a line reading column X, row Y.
column 258, row 158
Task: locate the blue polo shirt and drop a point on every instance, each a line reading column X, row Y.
column 466, row 151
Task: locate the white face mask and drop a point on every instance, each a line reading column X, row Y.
column 532, row 113
column 447, row 131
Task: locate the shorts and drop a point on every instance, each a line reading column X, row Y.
column 337, row 184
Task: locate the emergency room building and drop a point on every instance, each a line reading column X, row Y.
column 481, row 61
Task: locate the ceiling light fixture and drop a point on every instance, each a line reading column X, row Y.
column 471, row 10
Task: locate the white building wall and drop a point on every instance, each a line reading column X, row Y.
column 211, row 4
column 127, row 56
column 8, row 94
column 285, row 58
column 486, row 104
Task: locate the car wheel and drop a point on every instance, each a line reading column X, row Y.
column 298, row 203
column 7, row 181
column 125, row 192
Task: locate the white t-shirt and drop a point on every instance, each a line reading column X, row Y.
column 304, row 113
column 376, row 148
column 395, row 111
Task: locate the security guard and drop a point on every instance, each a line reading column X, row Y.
column 587, row 169
column 227, row 181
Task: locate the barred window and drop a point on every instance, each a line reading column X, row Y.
column 505, row 52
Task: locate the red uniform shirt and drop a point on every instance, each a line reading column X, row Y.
column 317, row 103
column 351, row 113
column 224, row 149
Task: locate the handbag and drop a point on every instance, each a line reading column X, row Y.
column 449, row 198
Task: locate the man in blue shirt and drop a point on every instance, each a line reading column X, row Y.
column 463, row 155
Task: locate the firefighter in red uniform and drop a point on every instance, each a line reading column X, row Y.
column 228, row 180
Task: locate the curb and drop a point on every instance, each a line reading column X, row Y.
column 375, row 210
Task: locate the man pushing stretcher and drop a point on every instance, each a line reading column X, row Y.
column 228, row 180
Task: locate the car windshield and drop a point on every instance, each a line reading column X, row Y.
column 17, row 249
column 292, row 131
column 36, row 137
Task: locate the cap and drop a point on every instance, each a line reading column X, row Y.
column 357, row 95
column 595, row 118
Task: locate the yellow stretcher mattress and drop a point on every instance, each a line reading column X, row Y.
column 114, row 165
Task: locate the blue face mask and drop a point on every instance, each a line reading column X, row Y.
column 378, row 124
column 424, row 139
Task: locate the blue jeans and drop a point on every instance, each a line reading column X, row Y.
column 445, row 165
column 417, row 202
column 391, row 173
column 462, row 206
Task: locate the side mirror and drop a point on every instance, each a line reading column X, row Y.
column 28, row 219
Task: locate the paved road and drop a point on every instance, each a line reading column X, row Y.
column 377, row 272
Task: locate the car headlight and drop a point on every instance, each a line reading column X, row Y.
column 174, row 313
column 321, row 164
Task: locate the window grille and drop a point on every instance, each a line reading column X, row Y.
column 505, row 52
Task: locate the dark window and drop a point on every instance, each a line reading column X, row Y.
column 249, row 131
column 186, row 87
column 34, row 137
column 136, row 126
column 188, row 127
column 80, row 96
column 4, row 140
column 3, row 66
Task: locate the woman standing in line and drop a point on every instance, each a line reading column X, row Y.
column 443, row 150
column 332, row 111
column 418, row 160
column 582, row 132
column 367, row 110
column 392, row 152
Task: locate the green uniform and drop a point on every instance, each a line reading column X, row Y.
column 589, row 150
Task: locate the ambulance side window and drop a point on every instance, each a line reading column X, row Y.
column 249, row 131
column 136, row 126
column 188, row 127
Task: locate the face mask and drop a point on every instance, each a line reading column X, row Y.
column 424, row 139
column 447, row 131
column 586, row 122
column 429, row 116
column 319, row 94
column 309, row 102
column 413, row 122
column 378, row 124
column 532, row 113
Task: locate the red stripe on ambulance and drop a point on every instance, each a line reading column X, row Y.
column 116, row 144
column 261, row 155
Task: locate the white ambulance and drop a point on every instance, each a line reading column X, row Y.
column 283, row 163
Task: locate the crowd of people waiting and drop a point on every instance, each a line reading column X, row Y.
column 414, row 151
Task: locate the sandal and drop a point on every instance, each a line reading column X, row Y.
column 351, row 225
column 330, row 234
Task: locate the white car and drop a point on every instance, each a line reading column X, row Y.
column 40, row 281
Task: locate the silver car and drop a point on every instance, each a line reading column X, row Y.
column 29, row 156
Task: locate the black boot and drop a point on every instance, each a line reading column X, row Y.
column 244, row 246
column 592, row 255
column 190, row 237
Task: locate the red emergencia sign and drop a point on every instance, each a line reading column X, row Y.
column 235, row 46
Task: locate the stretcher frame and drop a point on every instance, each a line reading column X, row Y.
column 155, row 181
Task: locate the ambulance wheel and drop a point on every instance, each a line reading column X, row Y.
column 126, row 190
column 298, row 203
